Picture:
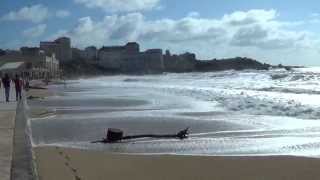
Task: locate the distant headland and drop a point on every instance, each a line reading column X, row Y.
column 126, row 59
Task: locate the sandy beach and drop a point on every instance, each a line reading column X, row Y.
column 64, row 164
column 67, row 163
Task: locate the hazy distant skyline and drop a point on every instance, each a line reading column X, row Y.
column 271, row 31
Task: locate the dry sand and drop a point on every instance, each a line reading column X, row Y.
column 66, row 164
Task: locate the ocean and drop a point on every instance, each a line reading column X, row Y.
column 229, row 113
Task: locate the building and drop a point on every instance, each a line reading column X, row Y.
column 129, row 59
column 132, row 48
column 91, row 53
column 111, row 57
column 32, row 67
column 30, row 51
column 78, row 54
column 61, row 47
column 154, row 60
column 52, row 65
column 13, row 68
column 179, row 63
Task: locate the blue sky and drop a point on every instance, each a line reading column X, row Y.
column 271, row 31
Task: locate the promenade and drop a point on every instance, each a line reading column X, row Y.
column 7, row 121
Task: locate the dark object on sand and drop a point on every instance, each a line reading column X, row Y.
column 36, row 87
column 116, row 135
column 34, row 97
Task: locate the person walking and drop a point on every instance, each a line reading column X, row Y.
column 6, row 84
column 18, row 85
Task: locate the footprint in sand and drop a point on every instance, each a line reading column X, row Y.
column 67, row 164
column 74, row 170
column 67, row 157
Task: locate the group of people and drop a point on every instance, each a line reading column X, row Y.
column 6, row 83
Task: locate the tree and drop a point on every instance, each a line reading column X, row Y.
column 2, row 52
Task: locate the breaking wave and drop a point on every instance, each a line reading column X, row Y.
column 276, row 93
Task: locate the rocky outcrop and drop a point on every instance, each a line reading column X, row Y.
column 237, row 63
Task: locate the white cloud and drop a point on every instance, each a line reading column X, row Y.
column 120, row 5
column 62, row 13
column 194, row 14
column 255, row 33
column 36, row 13
column 113, row 28
column 314, row 18
column 315, row 15
column 249, row 17
column 35, row 31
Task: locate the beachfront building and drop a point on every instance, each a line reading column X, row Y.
column 91, row 53
column 61, row 47
column 129, row 59
column 78, row 54
column 30, row 51
column 52, row 65
column 23, row 69
column 179, row 63
column 154, row 60
column 13, row 68
column 32, row 67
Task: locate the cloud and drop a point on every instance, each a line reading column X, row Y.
column 265, row 38
column 62, row 13
column 249, row 17
column 255, row 28
column 115, row 29
column 251, row 33
column 120, row 5
column 185, row 30
column 193, row 14
column 249, row 36
column 315, row 15
column 36, row 13
column 134, row 27
column 35, row 31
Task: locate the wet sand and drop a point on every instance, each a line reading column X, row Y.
column 64, row 164
column 40, row 93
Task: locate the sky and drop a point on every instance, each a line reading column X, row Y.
column 270, row 31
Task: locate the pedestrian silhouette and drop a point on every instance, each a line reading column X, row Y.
column 18, row 85
column 6, row 85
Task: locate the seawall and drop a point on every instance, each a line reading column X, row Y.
column 23, row 167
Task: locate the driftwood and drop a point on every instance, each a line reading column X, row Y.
column 116, row 135
column 37, row 87
column 34, row 97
